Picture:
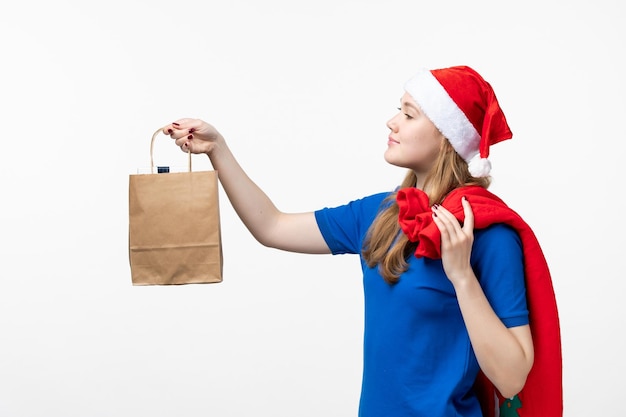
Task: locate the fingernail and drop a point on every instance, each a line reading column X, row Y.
column 175, row 124
column 192, row 130
column 190, row 137
column 434, row 214
column 170, row 131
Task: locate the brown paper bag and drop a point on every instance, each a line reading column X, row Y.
column 174, row 227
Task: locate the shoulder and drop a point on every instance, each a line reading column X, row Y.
column 366, row 204
column 497, row 231
column 344, row 226
column 373, row 199
column 497, row 253
column 497, row 243
column 495, row 235
column 498, row 261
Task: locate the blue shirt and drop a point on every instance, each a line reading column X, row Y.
column 417, row 358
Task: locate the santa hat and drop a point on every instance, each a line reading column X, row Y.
column 464, row 108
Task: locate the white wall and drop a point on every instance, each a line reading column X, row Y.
column 302, row 91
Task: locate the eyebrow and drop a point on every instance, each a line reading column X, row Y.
column 409, row 104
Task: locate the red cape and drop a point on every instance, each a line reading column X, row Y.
column 542, row 395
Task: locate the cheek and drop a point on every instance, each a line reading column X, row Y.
column 425, row 148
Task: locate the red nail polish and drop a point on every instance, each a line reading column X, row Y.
column 190, row 137
column 192, row 130
column 434, row 214
column 170, row 131
column 175, row 124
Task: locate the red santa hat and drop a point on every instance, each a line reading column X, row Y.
column 464, row 108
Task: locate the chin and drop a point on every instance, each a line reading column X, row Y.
column 389, row 158
column 392, row 161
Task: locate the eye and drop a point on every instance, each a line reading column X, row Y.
column 408, row 116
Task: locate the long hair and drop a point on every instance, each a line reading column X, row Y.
column 385, row 245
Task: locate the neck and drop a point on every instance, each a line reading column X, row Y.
column 419, row 180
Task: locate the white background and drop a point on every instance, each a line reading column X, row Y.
column 302, row 91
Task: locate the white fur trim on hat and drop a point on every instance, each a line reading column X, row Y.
column 435, row 102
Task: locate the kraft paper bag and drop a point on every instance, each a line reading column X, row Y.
column 174, row 227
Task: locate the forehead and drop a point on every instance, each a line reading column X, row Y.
column 407, row 100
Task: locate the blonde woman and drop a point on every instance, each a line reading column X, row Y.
column 460, row 314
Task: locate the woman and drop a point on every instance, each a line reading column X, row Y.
column 459, row 306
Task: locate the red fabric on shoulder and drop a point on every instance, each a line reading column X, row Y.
column 542, row 396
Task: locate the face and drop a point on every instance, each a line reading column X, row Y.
column 414, row 141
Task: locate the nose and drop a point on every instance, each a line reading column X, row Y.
column 392, row 125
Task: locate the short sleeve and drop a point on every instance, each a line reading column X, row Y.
column 344, row 227
column 498, row 261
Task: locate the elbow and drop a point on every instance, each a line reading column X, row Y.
column 512, row 388
column 262, row 235
column 267, row 232
column 511, row 384
column 267, row 237
column 510, row 377
column 268, row 241
column 262, row 239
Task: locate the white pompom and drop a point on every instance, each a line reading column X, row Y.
column 479, row 167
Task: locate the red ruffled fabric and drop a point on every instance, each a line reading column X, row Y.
column 542, row 396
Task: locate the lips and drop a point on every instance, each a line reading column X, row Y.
column 391, row 141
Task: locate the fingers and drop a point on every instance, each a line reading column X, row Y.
column 442, row 216
column 178, row 128
column 181, row 131
column 445, row 221
column 192, row 135
column 449, row 225
column 468, row 223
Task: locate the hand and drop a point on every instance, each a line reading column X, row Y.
column 193, row 134
column 456, row 241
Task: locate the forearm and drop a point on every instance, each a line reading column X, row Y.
column 252, row 205
column 295, row 232
column 504, row 355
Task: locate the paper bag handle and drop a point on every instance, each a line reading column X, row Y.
column 152, row 147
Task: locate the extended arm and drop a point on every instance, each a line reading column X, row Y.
column 296, row 232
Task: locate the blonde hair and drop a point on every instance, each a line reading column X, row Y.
column 385, row 245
